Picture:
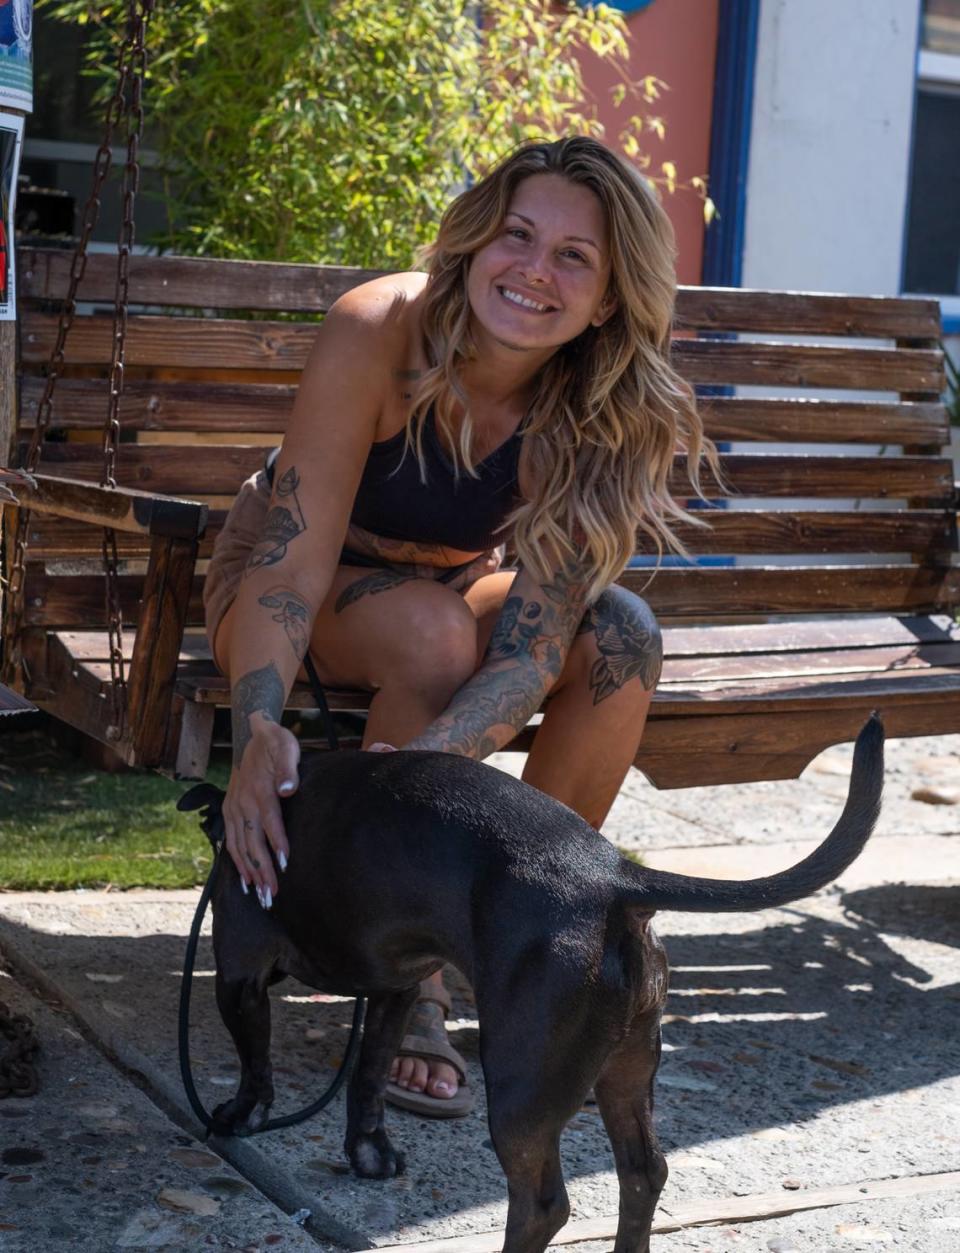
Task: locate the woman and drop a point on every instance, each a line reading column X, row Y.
column 526, row 379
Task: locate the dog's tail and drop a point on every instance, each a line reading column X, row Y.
column 657, row 889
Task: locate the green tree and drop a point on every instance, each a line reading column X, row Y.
column 337, row 130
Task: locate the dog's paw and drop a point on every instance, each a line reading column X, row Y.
column 374, row 1157
column 240, row 1117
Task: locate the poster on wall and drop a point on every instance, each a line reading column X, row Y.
column 16, row 54
column 11, row 141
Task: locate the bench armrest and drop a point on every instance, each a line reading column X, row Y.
column 122, row 508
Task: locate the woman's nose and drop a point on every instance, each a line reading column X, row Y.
column 536, row 268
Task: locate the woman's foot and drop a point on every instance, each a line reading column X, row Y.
column 428, row 1075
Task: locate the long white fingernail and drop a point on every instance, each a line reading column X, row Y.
column 286, row 787
column 260, row 896
column 268, row 898
column 282, row 859
column 243, row 884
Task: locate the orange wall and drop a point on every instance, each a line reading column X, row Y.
column 675, row 40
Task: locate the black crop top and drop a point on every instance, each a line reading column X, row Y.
column 462, row 513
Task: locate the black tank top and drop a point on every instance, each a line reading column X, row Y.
column 462, row 513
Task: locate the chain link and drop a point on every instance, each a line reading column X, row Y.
column 126, row 104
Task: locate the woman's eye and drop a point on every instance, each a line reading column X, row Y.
column 577, row 256
column 517, row 231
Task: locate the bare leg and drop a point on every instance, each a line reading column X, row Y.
column 596, row 713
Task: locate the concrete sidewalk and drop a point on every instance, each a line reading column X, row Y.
column 816, row 1045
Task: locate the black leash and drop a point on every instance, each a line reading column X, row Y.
column 209, row 800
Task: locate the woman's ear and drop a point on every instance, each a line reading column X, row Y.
column 607, row 308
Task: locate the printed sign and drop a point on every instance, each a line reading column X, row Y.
column 16, row 54
column 11, row 141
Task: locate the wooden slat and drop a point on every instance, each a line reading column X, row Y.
column 697, row 593
column 153, row 669
column 682, row 672
column 824, row 421
column 219, row 469
column 52, row 538
column 695, row 750
column 88, row 646
column 159, row 405
column 731, row 532
column 165, row 341
column 804, row 365
column 762, row 533
column 811, row 691
column 803, row 313
column 193, row 282
column 680, row 644
column 804, row 635
column 185, row 342
column 123, row 509
column 700, row 593
column 198, row 282
column 721, row 678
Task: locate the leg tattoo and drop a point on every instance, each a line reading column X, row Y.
column 628, row 640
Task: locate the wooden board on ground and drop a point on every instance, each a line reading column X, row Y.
column 734, row 1209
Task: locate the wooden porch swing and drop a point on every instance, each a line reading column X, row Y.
column 766, row 664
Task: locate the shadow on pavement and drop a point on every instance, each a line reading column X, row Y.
column 785, row 1018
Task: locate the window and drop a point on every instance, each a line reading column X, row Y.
column 932, row 262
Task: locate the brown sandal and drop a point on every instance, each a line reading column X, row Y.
column 428, row 1039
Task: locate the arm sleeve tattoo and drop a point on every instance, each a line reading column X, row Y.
column 524, row 658
column 258, row 692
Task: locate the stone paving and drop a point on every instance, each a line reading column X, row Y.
column 805, row 1047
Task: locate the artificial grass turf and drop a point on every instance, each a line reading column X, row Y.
column 65, row 825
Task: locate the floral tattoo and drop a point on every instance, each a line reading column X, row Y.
column 290, row 610
column 283, row 524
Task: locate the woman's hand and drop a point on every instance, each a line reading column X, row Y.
column 251, row 810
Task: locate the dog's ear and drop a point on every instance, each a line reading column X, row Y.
column 202, row 794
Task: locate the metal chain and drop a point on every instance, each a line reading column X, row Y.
column 132, row 58
column 18, row 1071
column 132, row 72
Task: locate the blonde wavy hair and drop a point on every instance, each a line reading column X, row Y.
column 609, row 411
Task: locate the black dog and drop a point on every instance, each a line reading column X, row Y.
column 400, row 862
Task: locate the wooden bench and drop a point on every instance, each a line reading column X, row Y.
column 842, row 597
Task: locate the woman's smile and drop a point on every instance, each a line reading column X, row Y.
column 529, row 304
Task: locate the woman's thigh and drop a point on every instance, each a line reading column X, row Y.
column 378, row 624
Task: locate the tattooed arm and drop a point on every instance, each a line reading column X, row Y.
column 342, row 392
column 526, row 653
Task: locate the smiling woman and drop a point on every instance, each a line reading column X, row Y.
column 518, row 391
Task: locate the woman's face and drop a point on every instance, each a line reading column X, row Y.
column 544, row 279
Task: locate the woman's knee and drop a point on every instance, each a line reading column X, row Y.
column 433, row 644
column 620, row 639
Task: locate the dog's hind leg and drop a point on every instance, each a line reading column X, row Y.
column 367, row 1143
column 245, row 1009
column 537, row 1076
column 624, row 1092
